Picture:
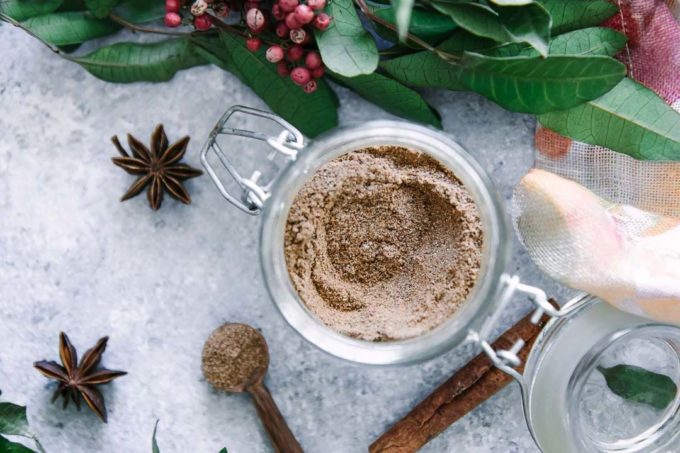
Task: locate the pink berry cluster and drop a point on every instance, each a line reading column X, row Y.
column 198, row 10
column 292, row 22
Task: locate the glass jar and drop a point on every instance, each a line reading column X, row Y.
column 269, row 193
column 568, row 404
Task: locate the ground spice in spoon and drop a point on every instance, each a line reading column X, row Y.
column 234, row 356
column 235, row 359
column 383, row 243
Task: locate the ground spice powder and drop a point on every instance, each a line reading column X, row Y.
column 234, row 356
column 383, row 243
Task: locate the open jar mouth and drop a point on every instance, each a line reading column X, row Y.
column 605, row 422
column 480, row 303
column 569, row 402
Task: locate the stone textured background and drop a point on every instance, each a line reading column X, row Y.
column 73, row 258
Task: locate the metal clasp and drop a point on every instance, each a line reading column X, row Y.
column 507, row 360
column 253, row 195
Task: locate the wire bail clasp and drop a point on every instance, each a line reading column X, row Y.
column 253, row 195
column 508, row 360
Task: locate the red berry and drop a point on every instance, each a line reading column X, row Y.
column 295, row 53
column 304, row 14
column 317, row 73
column 277, row 12
column 274, row 54
column 298, row 35
column 172, row 20
column 300, row 75
column 316, row 5
column 313, row 60
column 288, row 5
column 172, row 6
column 322, row 21
column 253, row 44
column 203, row 22
column 255, row 20
column 310, row 87
column 292, row 22
column 199, row 7
column 250, row 4
column 283, row 69
column 282, row 30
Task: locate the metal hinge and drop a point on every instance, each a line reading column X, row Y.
column 253, row 195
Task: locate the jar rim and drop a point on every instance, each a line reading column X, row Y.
column 563, row 357
column 497, row 242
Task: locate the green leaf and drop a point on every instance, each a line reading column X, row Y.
column 154, row 443
column 345, row 46
column 427, row 25
column 512, row 2
column 21, row 10
column 12, row 447
column 133, row 62
column 521, row 84
column 404, row 10
column 538, row 85
column 639, row 385
column 69, row 27
column 100, row 8
column 480, row 20
column 423, row 69
column 392, row 96
column 630, row 119
column 587, row 41
column 463, row 41
column 13, row 420
column 140, row 11
column 73, row 5
column 570, row 15
column 529, row 24
column 311, row 113
column 70, row 48
column 224, row 450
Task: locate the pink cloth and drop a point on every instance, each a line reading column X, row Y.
column 601, row 221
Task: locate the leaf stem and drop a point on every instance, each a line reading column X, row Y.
column 416, row 40
column 136, row 28
column 11, row 21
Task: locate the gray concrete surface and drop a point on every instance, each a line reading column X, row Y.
column 73, row 258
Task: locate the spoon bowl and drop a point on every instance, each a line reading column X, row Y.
column 235, row 360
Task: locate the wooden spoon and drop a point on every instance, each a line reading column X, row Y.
column 235, row 359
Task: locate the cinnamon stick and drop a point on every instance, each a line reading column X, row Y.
column 465, row 390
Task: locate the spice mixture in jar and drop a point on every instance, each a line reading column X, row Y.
column 383, row 243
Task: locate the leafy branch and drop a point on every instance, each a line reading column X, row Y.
column 14, row 422
column 407, row 36
column 140, row 29
column 545, row 57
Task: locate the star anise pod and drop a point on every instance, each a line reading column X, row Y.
column 157, row 166
column 79, row 379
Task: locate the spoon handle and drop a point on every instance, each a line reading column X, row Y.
column 282, row 437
